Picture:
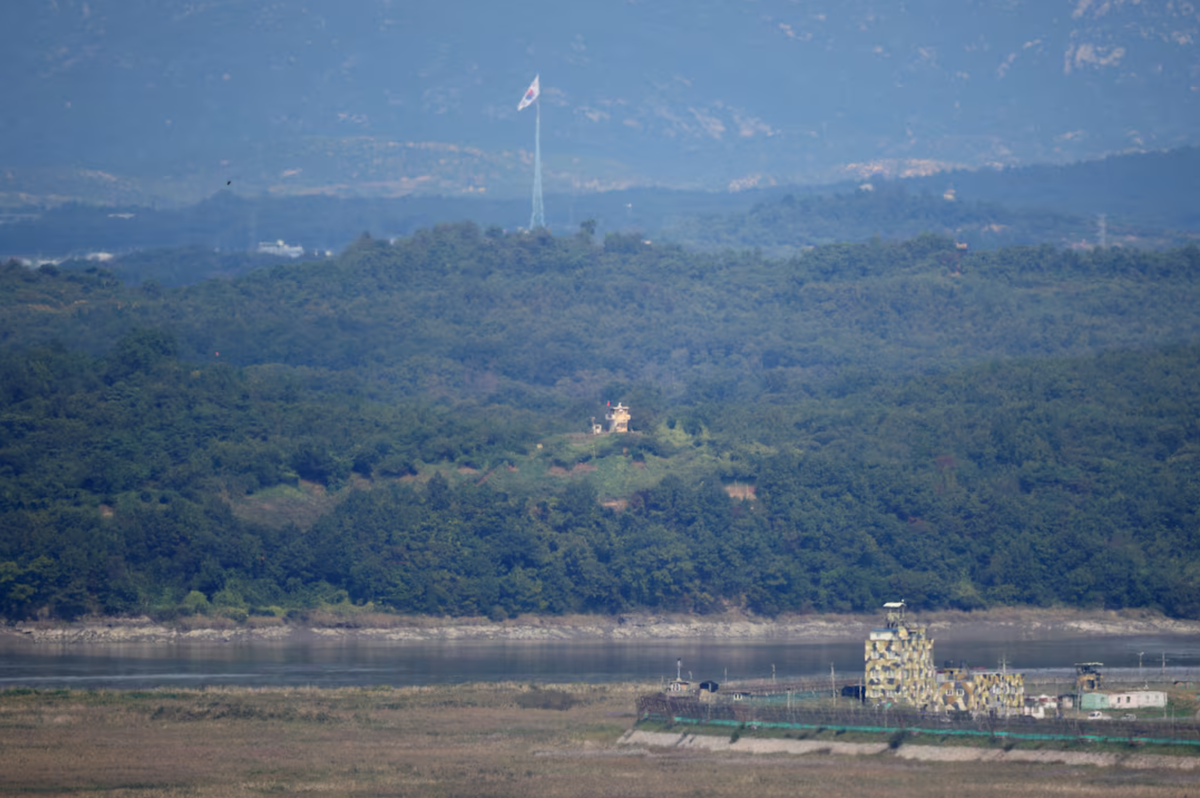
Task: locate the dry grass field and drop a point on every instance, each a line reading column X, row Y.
column 473, row 740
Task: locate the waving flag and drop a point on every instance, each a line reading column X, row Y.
column 531, row 94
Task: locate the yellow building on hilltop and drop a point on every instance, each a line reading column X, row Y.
column 617, row 418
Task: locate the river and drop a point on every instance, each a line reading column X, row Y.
column 366, row 663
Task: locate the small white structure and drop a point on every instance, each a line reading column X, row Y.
column 1041, row 705
column 280, row 248
column 1137, row 699
column 1134, row 699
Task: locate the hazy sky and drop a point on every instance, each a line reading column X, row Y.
column 401, row 96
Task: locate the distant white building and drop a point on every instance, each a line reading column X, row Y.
column 280, row 248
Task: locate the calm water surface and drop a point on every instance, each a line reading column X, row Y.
column 364, row 663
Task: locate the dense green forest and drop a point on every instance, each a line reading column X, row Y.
column 402, row 426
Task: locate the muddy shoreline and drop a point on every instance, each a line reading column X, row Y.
column 1009, row 624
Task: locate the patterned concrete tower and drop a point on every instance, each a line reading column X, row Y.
column 899, row 662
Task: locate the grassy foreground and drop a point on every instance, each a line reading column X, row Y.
column 472, row 740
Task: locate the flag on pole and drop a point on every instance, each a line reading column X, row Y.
column 531, row 94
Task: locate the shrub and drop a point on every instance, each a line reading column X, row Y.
column 546, row 699
column 195, row 603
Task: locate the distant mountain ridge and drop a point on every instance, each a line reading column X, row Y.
column 1145, row 199
column 131, row 101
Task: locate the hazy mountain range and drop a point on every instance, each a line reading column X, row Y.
column 138, row 100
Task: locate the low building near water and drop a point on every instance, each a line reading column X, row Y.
column 899, row 662
column 976, row 691
column 1041, row 706
column 899, row 669
column 1136, row 699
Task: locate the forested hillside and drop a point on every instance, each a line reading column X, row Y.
column 888, row 210
column 401, row 426
column 1153, row 188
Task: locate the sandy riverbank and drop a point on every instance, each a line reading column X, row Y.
column 917, row 753
column 1009, row 624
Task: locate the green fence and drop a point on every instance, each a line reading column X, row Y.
column 752, row 714
column 1008, row 735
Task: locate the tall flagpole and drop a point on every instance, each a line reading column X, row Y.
column 538, row 217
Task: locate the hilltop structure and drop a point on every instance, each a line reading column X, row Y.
column 617, row 418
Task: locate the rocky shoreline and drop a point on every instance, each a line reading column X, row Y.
column 1022, row 624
